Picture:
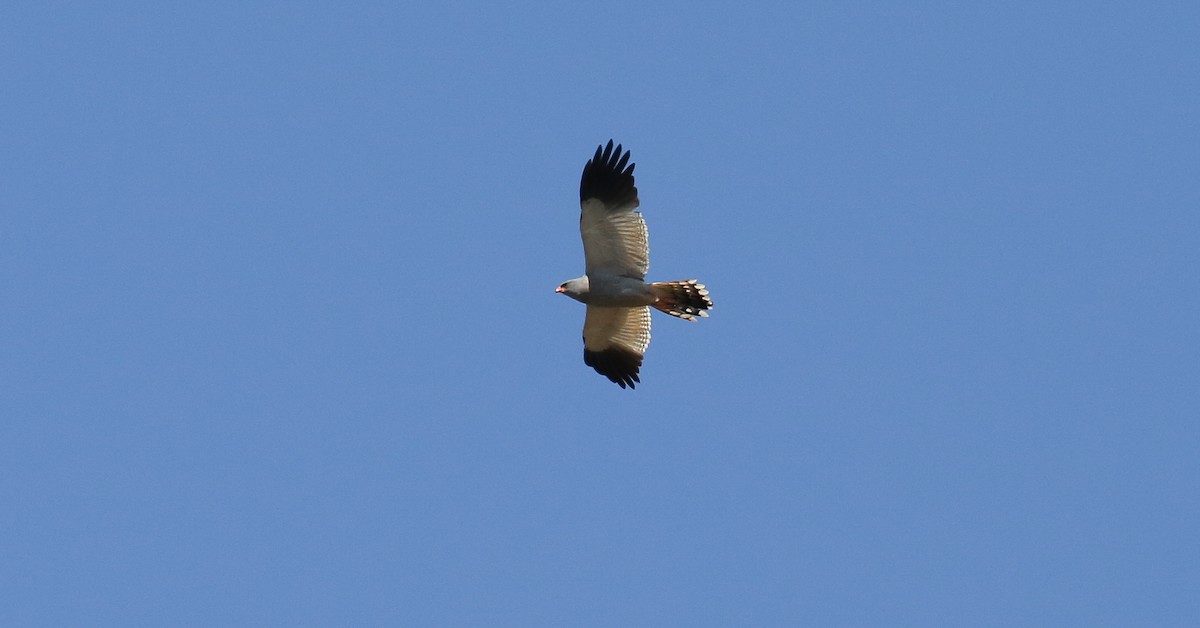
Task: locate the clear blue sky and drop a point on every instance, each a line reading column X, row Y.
column 280, row 342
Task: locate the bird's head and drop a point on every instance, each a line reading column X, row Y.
column 576, row 288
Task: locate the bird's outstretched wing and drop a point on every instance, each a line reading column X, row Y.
column 614, row 340
column 615, row 241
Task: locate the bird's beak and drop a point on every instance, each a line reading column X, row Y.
column 559, row 289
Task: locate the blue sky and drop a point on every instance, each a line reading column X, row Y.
column 280, row 342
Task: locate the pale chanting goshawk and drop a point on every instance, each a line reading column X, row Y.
column 616, row 250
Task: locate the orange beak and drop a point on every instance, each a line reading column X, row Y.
column 559, row 289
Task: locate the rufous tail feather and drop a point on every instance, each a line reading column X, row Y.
column 685, row 299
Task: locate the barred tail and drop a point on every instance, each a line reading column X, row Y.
column 685, row 299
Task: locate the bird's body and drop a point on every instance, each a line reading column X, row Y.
column 616, row 329
column 611, row 291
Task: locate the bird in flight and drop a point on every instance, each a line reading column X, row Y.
column 616, row 250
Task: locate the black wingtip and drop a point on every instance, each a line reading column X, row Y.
column 619, row 365
column 608, row 176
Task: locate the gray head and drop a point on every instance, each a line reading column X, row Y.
column 576, row 288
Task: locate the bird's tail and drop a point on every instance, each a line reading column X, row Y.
column 685, row 299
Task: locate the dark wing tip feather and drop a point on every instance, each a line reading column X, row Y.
column 619, row 365
column 608, row 176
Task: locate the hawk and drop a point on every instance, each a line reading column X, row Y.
column 616, row 250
